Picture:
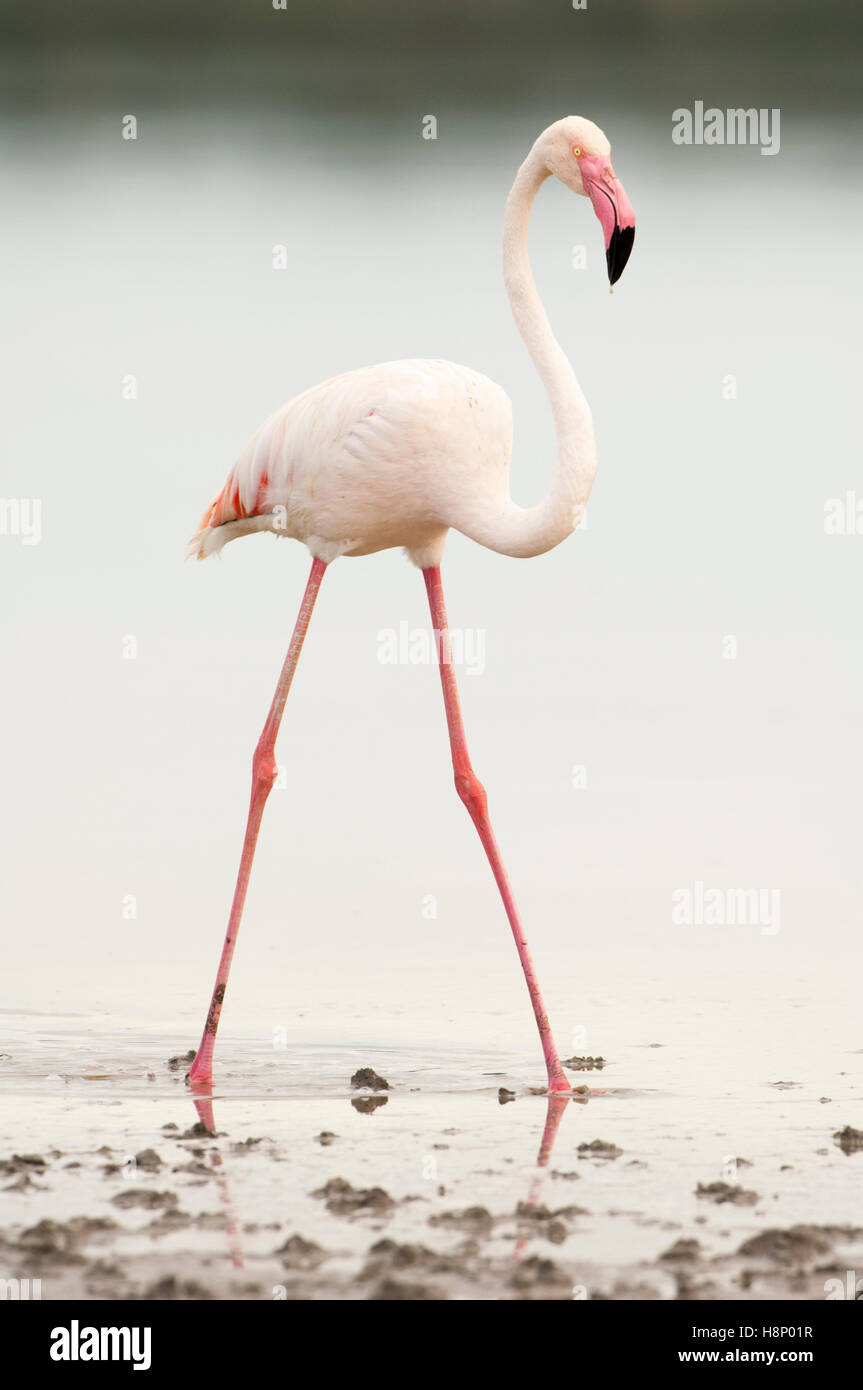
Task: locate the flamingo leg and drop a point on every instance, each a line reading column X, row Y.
column 472, row 793
column 263, row 777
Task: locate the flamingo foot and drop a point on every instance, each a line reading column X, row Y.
column 200, row 1073
column 559, row 1084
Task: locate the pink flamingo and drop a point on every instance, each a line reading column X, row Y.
column 396, row 455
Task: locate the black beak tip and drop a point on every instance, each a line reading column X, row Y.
column 618, row 252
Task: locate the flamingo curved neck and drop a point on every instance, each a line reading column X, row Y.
column 527, row 531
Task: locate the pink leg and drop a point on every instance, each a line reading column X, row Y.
column 472, row 793
column 263, row 777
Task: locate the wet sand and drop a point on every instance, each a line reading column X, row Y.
column 117, row 1184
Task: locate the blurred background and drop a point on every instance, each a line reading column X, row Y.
column 626, row 755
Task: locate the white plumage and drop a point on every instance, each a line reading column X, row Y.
column 384, row 456
column 395, row 455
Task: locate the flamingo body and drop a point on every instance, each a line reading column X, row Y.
column 391, row 455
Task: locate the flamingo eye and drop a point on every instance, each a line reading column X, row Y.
column 577, row 151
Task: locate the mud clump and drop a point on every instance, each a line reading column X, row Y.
column 551, row 1225
column 299, row 1253
column 247, row 1146
column 22, row 1163
column 367, row 1079
column 341, row 1199
column 392, row 1290
column 537, row 1270
column 798, row 1243
column 173, row 1288
column 849, row 1140
column 722, row 1192
column 477, row 1221
column 168, row 1221
column 599, row 1148
column 198, row 1131
column 185, row 1060
column 684, row 1250
column 144, row 1197
column 60, row 1240
column 584, row 1063
column 22, row 1168
column 148, row 1160
column 387, row 1257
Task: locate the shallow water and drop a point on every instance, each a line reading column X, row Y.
column 683, row 1104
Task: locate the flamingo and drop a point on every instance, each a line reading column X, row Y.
column 399, row 454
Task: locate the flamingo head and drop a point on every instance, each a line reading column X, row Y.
column 578, row 153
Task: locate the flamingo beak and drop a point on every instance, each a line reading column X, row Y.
column 613, row 209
